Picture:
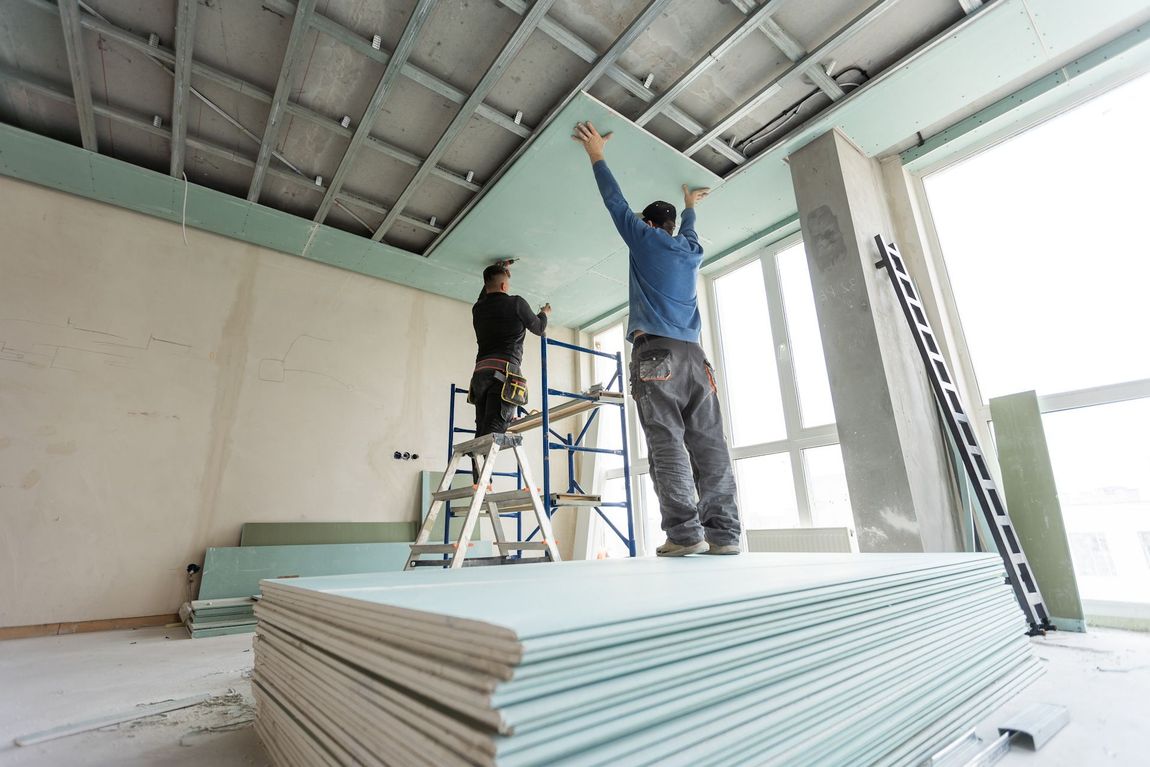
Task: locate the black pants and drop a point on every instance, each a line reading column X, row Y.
column 492, row 414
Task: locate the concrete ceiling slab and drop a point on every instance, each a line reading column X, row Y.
column 547, row 210
column 211, row 170
column 461, row 39
column 32, row 111
column 133, row 145
column 598, row 22
column 480, row 147
column 541, row 71
column 241, row 37
column 375, row 176
column 370, row 17
column 205, row 123
column 439, row 198
column 408, row 237
column 33, row 41
column 750, row 65
column 678, row 38
column 413, row 118
column 336, row 80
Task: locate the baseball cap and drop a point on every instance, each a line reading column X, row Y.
column 658, row 213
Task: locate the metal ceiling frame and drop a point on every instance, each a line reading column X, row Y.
column 305, row 18
column 351, row 39
column 490, row 78
column 78, row 68
column 243, row 87
column 299, row 28
column 736, row 36
column 145, row 124
column 182, row 83
column 793, row 50
column 602, row 66
column 419, row 16
column 634, row 85
column 797, row 70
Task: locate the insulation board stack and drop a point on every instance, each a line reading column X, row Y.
column 755, row 659
column 218, row 617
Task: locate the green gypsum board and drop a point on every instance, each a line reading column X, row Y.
column 309, row 533
column 1032, row 499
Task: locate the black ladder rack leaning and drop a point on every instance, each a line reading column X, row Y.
column 1018, row 570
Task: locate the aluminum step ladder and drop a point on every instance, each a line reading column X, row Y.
column 484, row 502
column 1018, row 572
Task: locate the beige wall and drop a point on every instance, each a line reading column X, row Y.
column 155, row 396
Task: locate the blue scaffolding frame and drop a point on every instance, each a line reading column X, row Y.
column 570, row 443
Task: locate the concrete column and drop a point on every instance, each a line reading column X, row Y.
column 892, row 441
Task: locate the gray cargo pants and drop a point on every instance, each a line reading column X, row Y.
column 674, row 391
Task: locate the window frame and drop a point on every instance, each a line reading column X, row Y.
column 798, row 437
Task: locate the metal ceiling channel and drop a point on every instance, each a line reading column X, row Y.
column 812, row 59
column 338, row 32
column 181, row 86
column 740, row 33
column 634, row 85
column 141, row 122
column 78, row 68
column 299, row 27
column 162, row 55
column 604, row 64
column 486, row 83
column 419, row 17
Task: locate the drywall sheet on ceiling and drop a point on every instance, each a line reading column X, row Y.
column 301, row 533
column 547, row 210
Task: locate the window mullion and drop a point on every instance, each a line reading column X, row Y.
column 717, row 341
column 788, row 385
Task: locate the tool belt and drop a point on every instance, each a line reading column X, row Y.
column 514, row 389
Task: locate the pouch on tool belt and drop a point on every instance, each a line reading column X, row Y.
column 655, row 365
column 514, row 386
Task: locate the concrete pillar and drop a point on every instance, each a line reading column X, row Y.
column 892, row 441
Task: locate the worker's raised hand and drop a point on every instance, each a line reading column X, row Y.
column 546, row 309
column 591, row 140
column 692, row 196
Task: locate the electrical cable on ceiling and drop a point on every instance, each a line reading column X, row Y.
column 792, row 111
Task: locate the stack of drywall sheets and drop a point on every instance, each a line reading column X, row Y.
column 756, row 659
column 217, row 617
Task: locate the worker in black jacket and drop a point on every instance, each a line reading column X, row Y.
column 501, row 322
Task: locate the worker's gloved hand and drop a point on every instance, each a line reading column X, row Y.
column 546, row 309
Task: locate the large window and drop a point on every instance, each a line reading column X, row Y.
column 1046, row 267
column 1044, row 249
column 777, row 399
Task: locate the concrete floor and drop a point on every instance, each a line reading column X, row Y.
column 1103, row 677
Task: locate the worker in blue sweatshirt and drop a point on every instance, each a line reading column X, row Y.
column 672, row 382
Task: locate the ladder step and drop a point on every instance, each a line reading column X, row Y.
column 434, row 548
column 454, row 494
column 524, row 545
column 483, row 444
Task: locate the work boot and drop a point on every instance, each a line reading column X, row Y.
column 723, row 550
column 670, row 549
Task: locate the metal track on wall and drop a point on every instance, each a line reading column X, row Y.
column 990, row 500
